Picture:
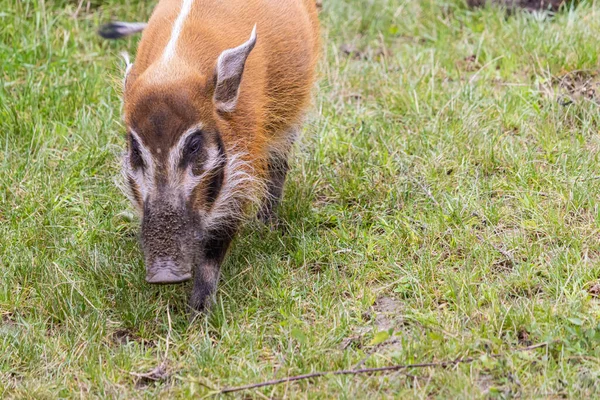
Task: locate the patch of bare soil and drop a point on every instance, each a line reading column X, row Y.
column 354, row 52
column 7, row 322
column 485, row 383
column 574, row 87
column 594, row 290
column 388, row 314
column 469, row 64
column 7, row 318
column 122, row 337
column 384, row 315
column 503, row 266
column 523, row 337
column 11, row 380
column 157, row 374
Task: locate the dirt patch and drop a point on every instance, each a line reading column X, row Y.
column 7, row 318
column 388, row 314
column 485, row 383
column 352, row 51
column 574, row 87
column 8, row 323
column 11, row 380
column 157, row 374
column 503, row 266
column 384, row 315
column 523, row 337
column 469, row 63
column 350, row 341
column 594, row 290
column 122, row 337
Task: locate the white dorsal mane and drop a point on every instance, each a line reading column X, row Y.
column 169, row 52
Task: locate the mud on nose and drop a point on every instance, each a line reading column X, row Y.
column 165, row 271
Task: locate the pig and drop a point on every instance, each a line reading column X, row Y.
column 212, row 105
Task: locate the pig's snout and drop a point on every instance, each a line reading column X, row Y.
column 167, row 271
column 169, row 243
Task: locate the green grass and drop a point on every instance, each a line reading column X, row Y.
column 438, row 191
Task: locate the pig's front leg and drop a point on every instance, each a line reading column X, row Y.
column 207, row 271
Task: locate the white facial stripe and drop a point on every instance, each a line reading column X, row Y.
column 144, row 178
column 191, row 181
column 213, row 158
column 176, row 152
column 188, row 180
column 169, row 52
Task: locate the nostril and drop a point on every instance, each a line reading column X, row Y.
column 165, row 271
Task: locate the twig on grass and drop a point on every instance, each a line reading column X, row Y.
column 168, row 334
column 389, row 368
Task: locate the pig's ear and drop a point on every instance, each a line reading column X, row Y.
column 128, row 66
column 228, row 74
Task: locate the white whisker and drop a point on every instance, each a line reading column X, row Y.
column 241, row 189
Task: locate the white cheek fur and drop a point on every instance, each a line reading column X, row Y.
column 241, row 188
column 190, row 181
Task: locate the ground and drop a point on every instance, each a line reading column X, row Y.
column 442, row 204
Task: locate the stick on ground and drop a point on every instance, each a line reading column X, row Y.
column 389, row 368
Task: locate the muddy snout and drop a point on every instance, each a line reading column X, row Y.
column 168, row 244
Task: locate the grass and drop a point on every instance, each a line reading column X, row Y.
column 439, row 192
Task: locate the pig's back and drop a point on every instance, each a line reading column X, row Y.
column 280, row 70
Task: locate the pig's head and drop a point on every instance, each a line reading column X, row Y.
column 176, row 164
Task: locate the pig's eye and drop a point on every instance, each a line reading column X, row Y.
column 136, row 156
column 194, row 152
column 194, row 144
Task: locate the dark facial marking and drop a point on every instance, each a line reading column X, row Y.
column 160, row 117
column 135, row 190
column 216, row 246
column 207, row 191
column 217, row 178
column 194, row 152
column 135, row 156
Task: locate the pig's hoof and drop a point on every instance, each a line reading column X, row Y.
column 201, row 302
